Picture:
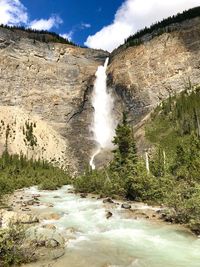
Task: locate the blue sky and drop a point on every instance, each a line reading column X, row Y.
column 101, row 24
column 74, row 13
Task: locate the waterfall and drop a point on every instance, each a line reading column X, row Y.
column 147, row 162
column 103, row 123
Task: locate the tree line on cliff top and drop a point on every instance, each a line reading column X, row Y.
column 39, row 35
column 161, row 27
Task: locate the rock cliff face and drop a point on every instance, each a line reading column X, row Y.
column 146, row 74
column 45, row 104
column 47, row 85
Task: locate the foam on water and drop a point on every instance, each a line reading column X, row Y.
column 117, row 241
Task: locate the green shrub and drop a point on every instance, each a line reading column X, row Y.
column 12, row 251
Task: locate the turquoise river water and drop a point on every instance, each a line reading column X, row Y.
column 118, row 241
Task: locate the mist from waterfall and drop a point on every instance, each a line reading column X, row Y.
column 103, row 126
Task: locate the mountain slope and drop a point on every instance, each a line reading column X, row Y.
column 50, row 81
column 50, row 84
column 145, row 74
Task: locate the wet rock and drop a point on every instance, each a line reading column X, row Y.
column 159, row 211
column 108, row 214
column 126, row 206
column 30, row 202
column 83, row 195
column 108, row 200
column 50, row 205
column 70, row 191
column 26, row 209
column 56, row 197
column 36, row 196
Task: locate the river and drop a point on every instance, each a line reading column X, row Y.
column 118, row 241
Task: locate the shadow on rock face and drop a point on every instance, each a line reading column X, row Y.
column 103, row 158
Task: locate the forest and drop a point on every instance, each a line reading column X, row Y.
column 16, row 171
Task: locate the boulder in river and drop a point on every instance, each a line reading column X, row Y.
column 83, row 195
column 126, row 206
column 108, row 200
column 108, row 214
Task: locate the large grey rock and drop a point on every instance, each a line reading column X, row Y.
column 47, row 237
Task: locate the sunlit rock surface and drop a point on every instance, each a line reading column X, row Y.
column 146, row 74
column 48, row 84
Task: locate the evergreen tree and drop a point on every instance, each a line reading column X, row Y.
column 125, row 153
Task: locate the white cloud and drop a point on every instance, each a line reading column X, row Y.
column 85, row 25
column 67, row 36
column 12, row 12
column 46, row 24
column 134, row 15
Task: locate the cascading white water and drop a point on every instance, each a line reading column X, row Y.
column 103, row 122
column 120, row 241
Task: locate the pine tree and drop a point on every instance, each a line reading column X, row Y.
column 125, row 154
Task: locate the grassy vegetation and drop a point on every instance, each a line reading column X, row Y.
column 17, row 172
column 161, row 27
column 174, row 180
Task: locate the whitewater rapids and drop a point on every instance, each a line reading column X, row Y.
column 117, row 241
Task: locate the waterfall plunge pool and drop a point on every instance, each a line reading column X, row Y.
column 117, row 241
